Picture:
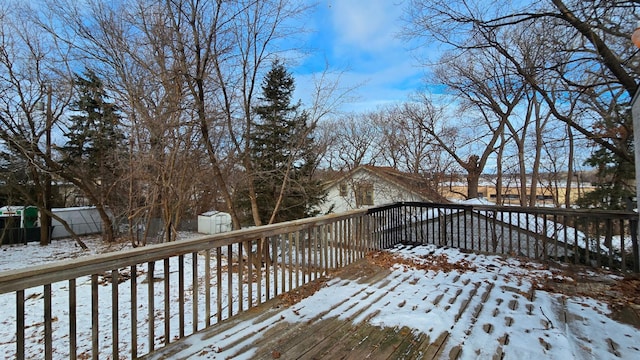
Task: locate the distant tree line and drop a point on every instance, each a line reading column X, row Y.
column 537, row 83
column 539, row 89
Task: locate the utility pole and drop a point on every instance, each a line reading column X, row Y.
column 635, row 114
column 45, row 219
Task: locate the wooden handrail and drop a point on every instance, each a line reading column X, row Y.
column 14, row 280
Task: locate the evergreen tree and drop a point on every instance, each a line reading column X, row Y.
column 16, row 183
column 616, row 175
column 283, row 152
column 94, row 134
column 94, row 147
column 18, row 186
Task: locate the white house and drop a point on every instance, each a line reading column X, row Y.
column 367, row 186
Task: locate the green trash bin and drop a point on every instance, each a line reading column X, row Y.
column 30, row 217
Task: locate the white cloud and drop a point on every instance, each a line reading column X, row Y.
column 369, row 25
column 391, row 83
column 358, row 39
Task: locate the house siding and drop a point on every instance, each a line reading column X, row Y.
column 384, row 192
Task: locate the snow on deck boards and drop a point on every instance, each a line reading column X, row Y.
column 422, row 303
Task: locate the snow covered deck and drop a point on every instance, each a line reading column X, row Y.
column 429, row 302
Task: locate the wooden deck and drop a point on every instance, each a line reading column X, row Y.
column 478, row 312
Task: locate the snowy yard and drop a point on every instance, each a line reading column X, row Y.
column 32, row 254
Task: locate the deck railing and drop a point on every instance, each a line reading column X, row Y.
column 128, row 303
column 154, row 295
column 589, row 237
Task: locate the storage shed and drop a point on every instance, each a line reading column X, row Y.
column 214, row 222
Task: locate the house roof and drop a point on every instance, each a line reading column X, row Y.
column 413, row 183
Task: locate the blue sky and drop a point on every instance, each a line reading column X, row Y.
column 359, row 39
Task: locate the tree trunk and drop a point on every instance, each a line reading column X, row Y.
column 535, row 171
column 107, row 225
column 567, row 193
column 522, row 191
column 75, row 237
column 499, row 170
column 473, row 179
column 473, row 176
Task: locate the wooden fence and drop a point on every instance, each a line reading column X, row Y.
column 128, row 303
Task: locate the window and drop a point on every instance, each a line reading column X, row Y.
column 364, row 194
column 343, row 189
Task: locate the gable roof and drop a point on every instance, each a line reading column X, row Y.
column 412, row 183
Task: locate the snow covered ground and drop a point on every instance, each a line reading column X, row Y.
column 481, row 305
column 542, row 331
column 539, row 333
column 32, row 254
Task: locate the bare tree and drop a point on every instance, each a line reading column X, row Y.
column 353, row 140
column 487, row 87
column 185, row 74
column 407, row 147
column 593, row 56
column 36, row 88
column 132, row 47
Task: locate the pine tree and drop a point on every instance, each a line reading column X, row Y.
column 94, row 135
column 615, row 184
column 282, row 151
column 94, row 146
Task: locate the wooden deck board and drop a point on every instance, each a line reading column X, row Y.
column 476, row 310
column 322, row 338
column 317, row 331
column 432, row 350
